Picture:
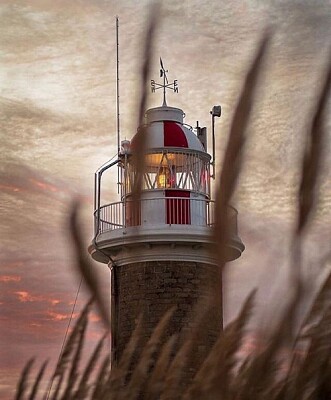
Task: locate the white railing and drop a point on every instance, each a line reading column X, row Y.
column 158, row 211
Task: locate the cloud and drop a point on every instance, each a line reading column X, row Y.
column 16, row 176
column 24, row 296
column 9, row 278
column 60, row 317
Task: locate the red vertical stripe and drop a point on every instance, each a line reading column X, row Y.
column 174, row 135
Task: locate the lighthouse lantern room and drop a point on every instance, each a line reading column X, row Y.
column 175, row 205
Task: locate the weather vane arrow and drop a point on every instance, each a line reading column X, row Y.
column 165, row 85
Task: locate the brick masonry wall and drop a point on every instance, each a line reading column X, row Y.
column 151, row 288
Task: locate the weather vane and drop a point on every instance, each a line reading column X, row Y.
column 166, row 85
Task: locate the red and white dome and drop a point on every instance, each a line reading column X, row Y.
column 165, row 129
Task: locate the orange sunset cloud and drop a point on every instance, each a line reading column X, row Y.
column 9, row 278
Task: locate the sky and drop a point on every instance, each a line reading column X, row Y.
column 58, row 125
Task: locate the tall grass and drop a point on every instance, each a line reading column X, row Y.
column 158, row 372
column 223, row 375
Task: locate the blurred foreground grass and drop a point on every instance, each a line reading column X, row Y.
column 303, row 373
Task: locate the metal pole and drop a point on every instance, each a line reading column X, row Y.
column 213, row 141
column 117, row 103
column 126, row 179
column 113, row 313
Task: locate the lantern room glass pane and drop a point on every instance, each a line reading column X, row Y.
column 171, row 170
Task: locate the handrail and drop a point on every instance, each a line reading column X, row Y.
column 201, row 213
column 97, row 193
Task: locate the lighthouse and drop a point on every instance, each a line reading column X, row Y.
column 160, row 246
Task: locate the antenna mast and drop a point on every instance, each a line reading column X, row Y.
column 117, row 103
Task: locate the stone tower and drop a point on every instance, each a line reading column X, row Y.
column 160, row 248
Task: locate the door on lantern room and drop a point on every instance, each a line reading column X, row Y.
column 178, row 208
